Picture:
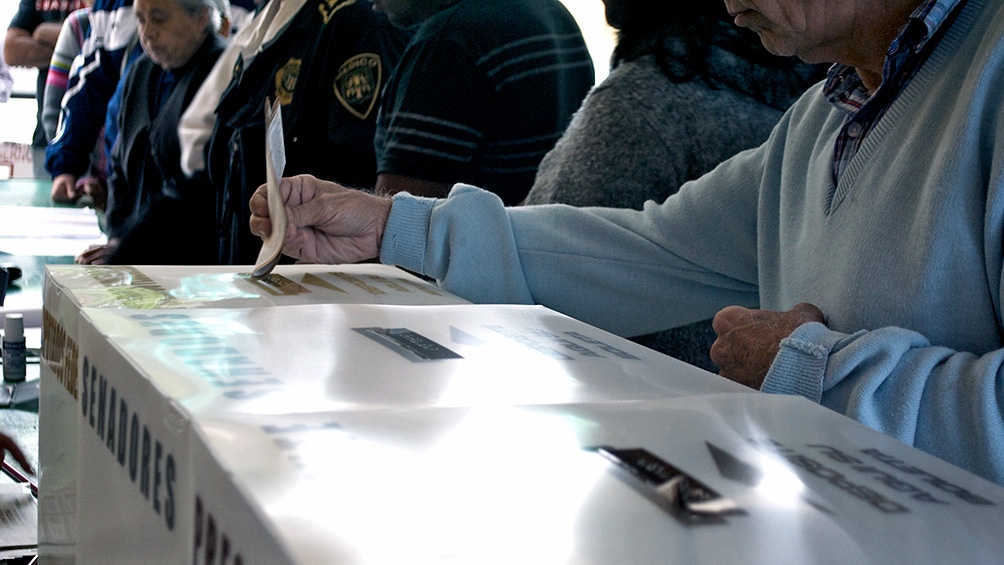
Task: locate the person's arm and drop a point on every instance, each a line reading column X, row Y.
column 633, row 272
column 63, row 55
column 47, row 34
column 945, row 402
column 90, row 87
column 942, row 401
column 22, row 49
column 618, row 262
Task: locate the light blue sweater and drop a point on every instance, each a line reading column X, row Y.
column 904, row 255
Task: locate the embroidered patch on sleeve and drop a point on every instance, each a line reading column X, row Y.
column 357, row 84
column 285, row 81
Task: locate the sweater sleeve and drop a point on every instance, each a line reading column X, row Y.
column 945, row 402
column 67, row 47
column 626, row 271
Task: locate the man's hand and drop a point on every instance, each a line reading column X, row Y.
column 748, row 340
column 98, row 254
column 327, row 223
column 64, row 189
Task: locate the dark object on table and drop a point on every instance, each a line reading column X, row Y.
column 13, row 272
column 8, row 274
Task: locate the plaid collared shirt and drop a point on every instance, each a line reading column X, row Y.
column 845, row 90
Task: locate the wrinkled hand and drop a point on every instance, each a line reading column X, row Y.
column 327, row 223
column 748, row 340
column 98, row 254
column 8, row 445
column 64, row 189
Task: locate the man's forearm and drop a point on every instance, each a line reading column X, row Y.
column 47, row 34
column 20, row 49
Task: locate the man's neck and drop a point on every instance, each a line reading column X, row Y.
column 889, row 24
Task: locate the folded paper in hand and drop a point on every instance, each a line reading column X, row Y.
column 275, row 162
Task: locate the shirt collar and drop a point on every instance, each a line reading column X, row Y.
column 843, row 82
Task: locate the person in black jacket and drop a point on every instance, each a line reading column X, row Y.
column 147, row 191
column 326, row 62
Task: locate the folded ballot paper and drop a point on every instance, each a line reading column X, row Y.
column 275, row 163
column 156, row 291
column 354, row 433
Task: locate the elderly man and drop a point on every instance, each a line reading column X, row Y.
column 869, row 228
column 181, row 42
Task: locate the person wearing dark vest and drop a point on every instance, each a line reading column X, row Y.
column 146, row 189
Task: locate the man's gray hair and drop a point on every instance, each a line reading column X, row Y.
column 218, row 10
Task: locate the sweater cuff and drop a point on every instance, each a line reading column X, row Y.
column 406, row 232
column 800, row 365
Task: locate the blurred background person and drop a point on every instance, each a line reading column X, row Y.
column 68, row 46
column 326, row 62
column 109, row 46
column 6, row 80
column 90, row 107
column 146, row 190
column 483, row 91
column 687, row 89
column 30, row 40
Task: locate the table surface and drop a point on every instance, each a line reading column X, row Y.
column 21, row 422
column 26, row 292
column 28, row 192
